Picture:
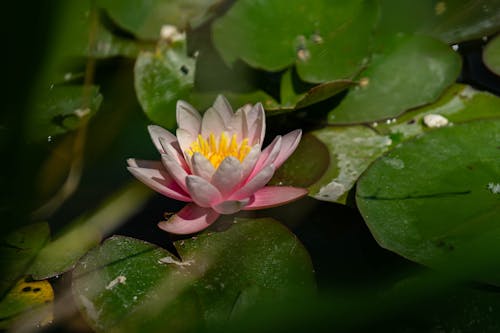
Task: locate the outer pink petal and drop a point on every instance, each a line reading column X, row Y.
column 188, row 118
column 175, row 170
column 288, row 145
column 190, row 219
column 202, row 166
column 227, row 176
column 267, row 156
column 160, row 181
column 248, row 164
column 230, row 207
column 202, row 192
column 272, row 196
column 158, row 134
column 254, row 184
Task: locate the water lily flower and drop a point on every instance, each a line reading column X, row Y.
column 215, row 163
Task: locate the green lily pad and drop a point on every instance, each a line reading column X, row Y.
column 161, row 79
column 491, row 55
column 413, row 73
column 452, row 21
column 328, row 41
column 62, row 109
column 126, row 282
column 436, row 199
column 61, row 254
column 18, row 249
column 352, row 149
column 145, row 18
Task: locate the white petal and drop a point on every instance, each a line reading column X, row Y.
column 185, row 140
column 267, row 156
column 254, row 184
column 188, row 118
column 223, row 108
column 227, row 176
column 202, row 166
column 157, row 134
column 257, row 124
column 174, row 151
column 202, row 192
column 175, row 170
column 249, row 162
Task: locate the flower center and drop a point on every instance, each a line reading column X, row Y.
column 217, row 150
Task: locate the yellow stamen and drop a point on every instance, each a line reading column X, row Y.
column 216, row 153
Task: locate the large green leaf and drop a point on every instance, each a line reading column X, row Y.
column 61, row 109
column 491, row 55
column 327, row 41
column 451, row 21
column 145, row 18
column 63, row 252
column 18, row 249
column 352, row 149
column 414, row 72
column 161, row 79
column 436, row 199
column 126, row 283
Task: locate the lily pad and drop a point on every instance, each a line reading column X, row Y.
column 61, row 109
column 129, row 282
column 491, row 55
column 145, row 18
column 327, row 41
column 352, row 149
column 436, row 199
column 161, row 79
column 18, row 249
column 452, row 21
column 413, row 73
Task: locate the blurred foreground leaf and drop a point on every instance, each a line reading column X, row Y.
column 130, row 285
column 18, row 249
column 161, row 79
column 61, row 254
column 436, row 199
column 413, row 72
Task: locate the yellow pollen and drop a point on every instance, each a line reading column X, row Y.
column 217, row 150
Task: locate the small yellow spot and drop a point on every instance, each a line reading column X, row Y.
column 363, row 82
column 440, row 8
column 217, row 149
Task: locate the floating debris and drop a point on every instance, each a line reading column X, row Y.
column 435, row 120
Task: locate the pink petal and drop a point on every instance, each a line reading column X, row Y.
column 212, row 123
column 223, row 108
column 248, row 163
column 160, row 181
column 230, row 207
column 288, row 145
column 185, row 140
column 267, row 156
column 174, row 151
column 202, row 192
column 254, row 184
column 190, row 219
column 256, row 124
column 202, row 166
column 158, row 133
column 176, row 172
column 188, row 118
column 272, row 196
column 227, row 176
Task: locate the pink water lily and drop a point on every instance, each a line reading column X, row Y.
column 215, row 163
